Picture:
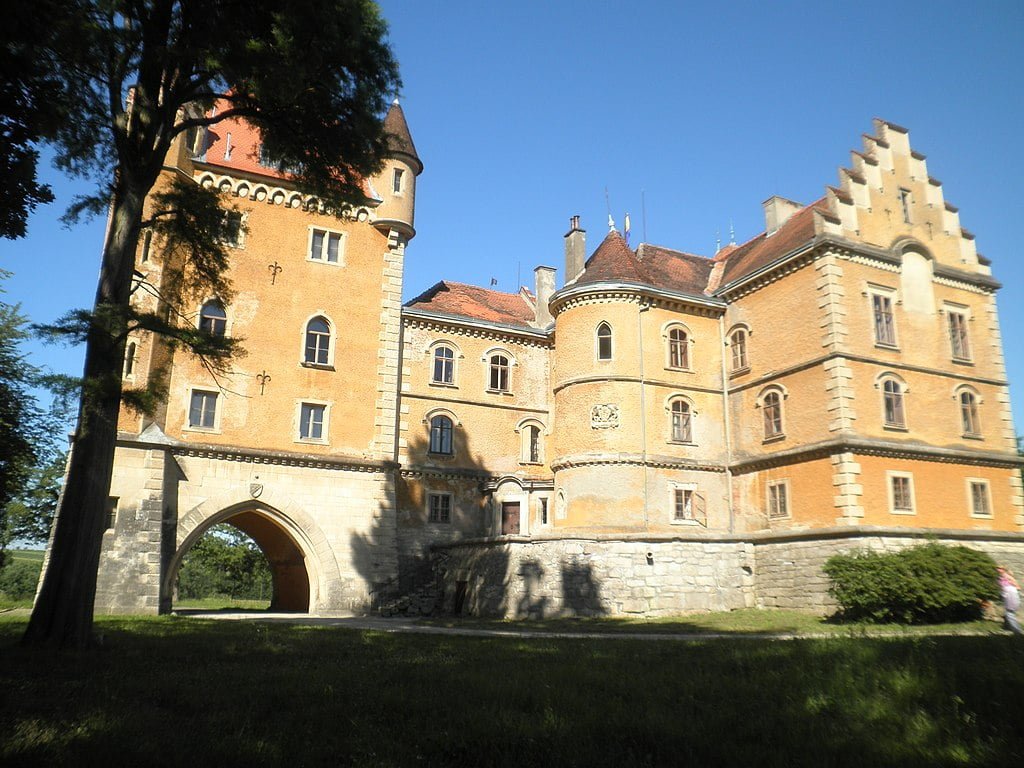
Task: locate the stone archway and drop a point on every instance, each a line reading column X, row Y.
column 293, row 552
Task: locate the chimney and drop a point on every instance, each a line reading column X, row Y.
column 777, row 211
column 544, row 287
column 575, row 249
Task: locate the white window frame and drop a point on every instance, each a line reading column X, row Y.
column 456, row 356
column 217, row 409
column 892, row 295
column 523, row 430
column 332, row 341
column 670, row 421
column 486, row 359
column 398, row 182
column 731, row 343
column 666, row 334
column 684, row 488
column 969, row 484
column 782, row 484
column 328, row 233
column 325, row 428
column 243, row 217
column 903, row 389
column 958, row 394
column 964, row 313
column 762, row 396
column 891, row 475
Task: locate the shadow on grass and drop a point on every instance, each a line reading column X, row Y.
column 256, row 694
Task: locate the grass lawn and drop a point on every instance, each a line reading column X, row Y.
column 751, row 621
column 173, row 691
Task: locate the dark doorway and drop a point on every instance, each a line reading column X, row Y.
column 509, row 518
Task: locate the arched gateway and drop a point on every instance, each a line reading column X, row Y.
column 290, row 553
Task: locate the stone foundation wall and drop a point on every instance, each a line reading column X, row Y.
column 584, row 577
column 633, row 576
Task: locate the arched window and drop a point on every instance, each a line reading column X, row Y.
column 531, row 441
column 129, row 359
column 678, row 349
column 892, row 400
column 969, row 413
column 213, row 319
column 441, row 435
column 604, row 342
column 318, row 341
column 444, row 365
column 738, row 342
column 772, row 407
column 681, row 421
column 499, row 367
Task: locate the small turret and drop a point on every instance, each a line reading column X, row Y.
column 396, row 183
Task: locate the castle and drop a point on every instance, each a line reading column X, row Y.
column 664, row 432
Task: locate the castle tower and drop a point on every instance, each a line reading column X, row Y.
column 395, row 185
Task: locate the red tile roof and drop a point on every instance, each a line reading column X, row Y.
column 764, row 249
column 651, row 265
column 476, row 303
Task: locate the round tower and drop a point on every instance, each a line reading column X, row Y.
column 598, row 404
column 395, row 185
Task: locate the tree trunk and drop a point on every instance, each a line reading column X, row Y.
column 63, row 611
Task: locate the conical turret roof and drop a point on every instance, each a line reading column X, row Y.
column 399, row 138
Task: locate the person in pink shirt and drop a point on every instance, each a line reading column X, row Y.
column 1011, row 599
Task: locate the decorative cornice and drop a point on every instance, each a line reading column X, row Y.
column 598, row 379
column 869, row 447
column 634, row 293
column 258, row 189
column 464, row 326
column 260, row 456
column 436, row 398
column 634, row 459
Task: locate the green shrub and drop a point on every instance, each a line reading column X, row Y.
column 18, row 579
column 928, row 584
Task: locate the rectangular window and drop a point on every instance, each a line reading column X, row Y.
column 396, row 184
column 326, row 246
column 901, row 493
column 958, row 340
column 202, row 411
column 233, row 228
column 543, row 511
column 885, row 328
column 778, row 500
column 439, row 508
column 112, row 502
column 147, row 243
column 682, row 503
column 311, row 421
column 980, row 504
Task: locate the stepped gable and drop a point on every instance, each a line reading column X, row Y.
column 399, row 136
column 475, row 303
column 614, row 262
column 763, row 249
column 675, row 270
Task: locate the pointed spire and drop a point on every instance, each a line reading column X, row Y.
column 611, row 223
column 732, row 234
column 718, row 240
column 399, row 138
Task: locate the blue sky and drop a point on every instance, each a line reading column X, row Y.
column 524, row 113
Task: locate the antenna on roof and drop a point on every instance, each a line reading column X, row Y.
column 643, row 214
column 732, row 234
column 718, row 240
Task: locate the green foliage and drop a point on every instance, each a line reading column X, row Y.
column 225, row 562
column 927, row 584
column 19, row 577
column 30, row 515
